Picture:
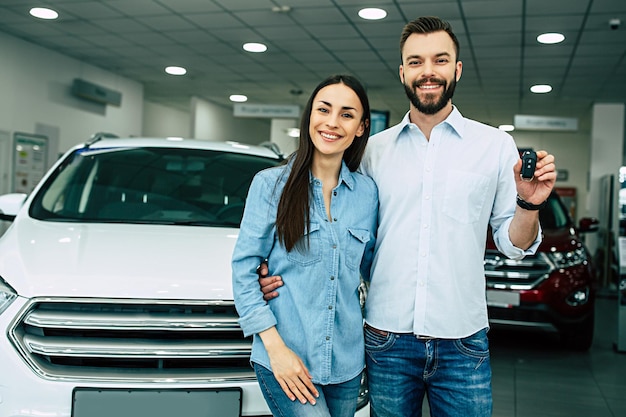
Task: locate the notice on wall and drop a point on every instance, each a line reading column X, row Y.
column 29, row 161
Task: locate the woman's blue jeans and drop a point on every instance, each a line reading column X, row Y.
column 335, row 400
column 454, row 374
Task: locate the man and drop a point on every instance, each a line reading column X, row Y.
column 442, row 180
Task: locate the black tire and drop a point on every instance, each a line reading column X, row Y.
column 580, row 336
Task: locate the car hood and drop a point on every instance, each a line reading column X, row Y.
column 40, row 258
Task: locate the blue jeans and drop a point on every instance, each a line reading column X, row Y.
column 335, row 400
column 454, row 374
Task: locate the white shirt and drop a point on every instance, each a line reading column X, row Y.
column 437, row 198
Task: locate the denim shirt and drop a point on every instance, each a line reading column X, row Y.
column 317, row 313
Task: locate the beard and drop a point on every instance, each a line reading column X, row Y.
column 431, row 104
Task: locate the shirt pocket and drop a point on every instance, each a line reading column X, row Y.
column 357, row 239
column 303, row 254
column 465, row 196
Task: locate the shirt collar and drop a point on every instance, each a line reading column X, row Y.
column 455, row 120
column 345, row 175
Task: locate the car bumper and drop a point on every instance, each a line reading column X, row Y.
column 537, row 316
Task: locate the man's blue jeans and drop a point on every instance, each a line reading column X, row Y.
column 335, row 400
column 454, row 374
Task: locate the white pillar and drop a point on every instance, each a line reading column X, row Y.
column 279, row 136
column 606, row 153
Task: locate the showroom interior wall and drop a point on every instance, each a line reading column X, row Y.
column 36, row 90
column 213, row 122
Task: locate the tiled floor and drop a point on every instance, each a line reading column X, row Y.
column 533, row 376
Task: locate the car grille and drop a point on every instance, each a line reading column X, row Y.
column 109, row 340
column 524, row 274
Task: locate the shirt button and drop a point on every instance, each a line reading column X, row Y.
column 332, row 278
column 334, row 192
column 427, row 197
column 327, row 337
column 425, row 226
column 334, row 246
column 421, row 283
column 334, row 219
column 330, row 307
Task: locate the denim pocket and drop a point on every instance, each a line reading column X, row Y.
column 357, row 239
column 375, row 342
column 303, row 254
column 475, row 346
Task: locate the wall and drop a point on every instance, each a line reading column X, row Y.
column 160, row 120
column 213, row 122
column 36, row 90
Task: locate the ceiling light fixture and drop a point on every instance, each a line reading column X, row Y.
column 254, row 47
column 238, row 98
column 43, row 13
column 176, row 70
column 550, row 38
column 372, row 13
column 507, row 128
column 541, row 88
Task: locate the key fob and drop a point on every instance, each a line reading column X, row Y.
column 529, row 162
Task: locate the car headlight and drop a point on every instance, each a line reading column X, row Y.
column 7, row 295
column 569, row 258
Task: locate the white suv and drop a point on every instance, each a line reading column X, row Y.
column 115, row 284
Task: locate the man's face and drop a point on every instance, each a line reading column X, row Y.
column 429, row 71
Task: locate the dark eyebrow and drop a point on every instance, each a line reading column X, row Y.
column 344, row 107
column 440, row 54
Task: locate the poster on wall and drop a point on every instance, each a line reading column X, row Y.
column 29, row 160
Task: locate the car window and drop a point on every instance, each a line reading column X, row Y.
column 149, row 185
column 554, row 215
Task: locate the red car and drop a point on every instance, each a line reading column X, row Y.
column 552, row 290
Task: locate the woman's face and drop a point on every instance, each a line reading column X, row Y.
column 336, row 119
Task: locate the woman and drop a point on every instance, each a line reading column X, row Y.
column 314, row 220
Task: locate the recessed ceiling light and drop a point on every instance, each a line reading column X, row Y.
column 507, row 128
column 550, row 38
column 43, row 13
column 372, row 13
column 176, row 70
column 541, row 88
column 238, row 98
column 254, row 47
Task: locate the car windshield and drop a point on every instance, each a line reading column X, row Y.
column 554, row 215
column 149, row 185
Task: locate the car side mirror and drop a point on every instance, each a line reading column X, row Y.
column 10, row 205
column 588, row 225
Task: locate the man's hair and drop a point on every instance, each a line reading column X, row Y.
column 427, row 24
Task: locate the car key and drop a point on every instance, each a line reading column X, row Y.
column 529, row 162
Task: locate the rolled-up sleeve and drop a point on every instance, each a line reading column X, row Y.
column 504, row 244
column 255, row 241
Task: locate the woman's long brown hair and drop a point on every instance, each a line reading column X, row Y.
column 292, row 218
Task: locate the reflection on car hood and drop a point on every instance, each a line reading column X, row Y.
column 117, row 260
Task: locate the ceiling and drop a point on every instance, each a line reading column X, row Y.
column 314, row 38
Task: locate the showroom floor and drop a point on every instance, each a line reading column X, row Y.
column 534, row 377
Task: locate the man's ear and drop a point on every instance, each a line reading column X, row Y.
column 459, row 70
column 401, row 72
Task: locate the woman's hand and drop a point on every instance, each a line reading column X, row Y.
column 288, row 369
